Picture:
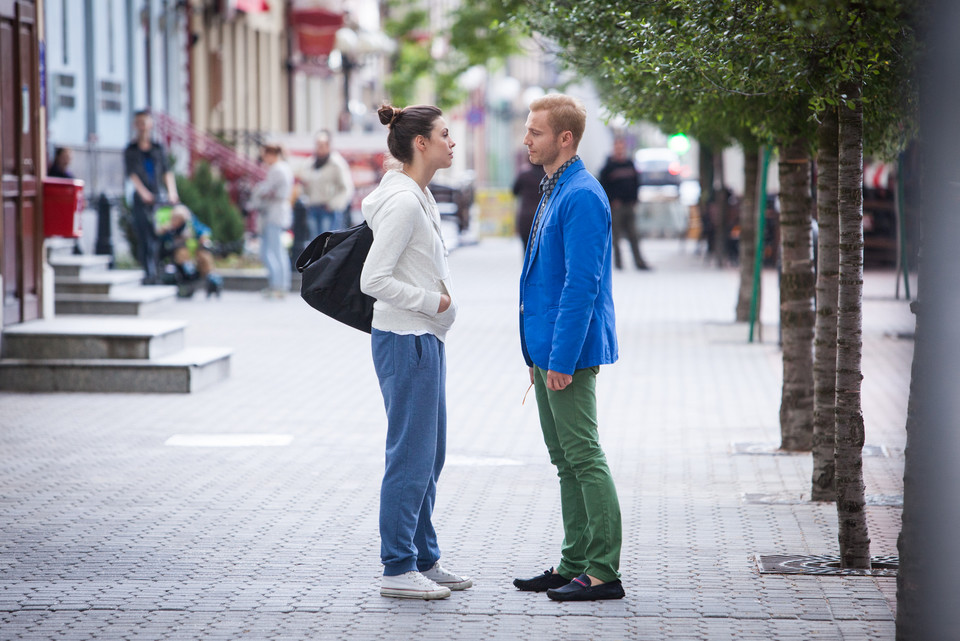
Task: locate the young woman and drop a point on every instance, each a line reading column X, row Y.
column 272, row 197
column 406, row 272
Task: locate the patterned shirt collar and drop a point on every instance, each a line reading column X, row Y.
column 548, row 183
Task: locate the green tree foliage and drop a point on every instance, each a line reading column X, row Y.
column 206, row 196
column 476, row 35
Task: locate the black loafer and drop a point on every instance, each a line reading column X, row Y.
column 580, row 590
column 541, row 582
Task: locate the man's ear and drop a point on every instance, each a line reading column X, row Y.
column 566, row 138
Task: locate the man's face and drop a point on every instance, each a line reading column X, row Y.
column 542, row 144
column 620, row 149
column 143, row 124
column 322, row 147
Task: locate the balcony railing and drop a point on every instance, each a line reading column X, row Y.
column 234, row 166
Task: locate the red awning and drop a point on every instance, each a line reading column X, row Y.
column 315, row 31
column 252, row 6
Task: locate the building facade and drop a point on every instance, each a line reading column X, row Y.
column 21, row 161
column 105, row 60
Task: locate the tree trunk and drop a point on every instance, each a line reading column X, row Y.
column 823, row 486
column 722, row 198
column 796, row 298
column 851, row 509
column 705, row 165
column 748, row 231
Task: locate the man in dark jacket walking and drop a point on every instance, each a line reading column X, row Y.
column 145, row 164
column 621, row 182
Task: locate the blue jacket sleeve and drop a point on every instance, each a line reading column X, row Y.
column 586, row 233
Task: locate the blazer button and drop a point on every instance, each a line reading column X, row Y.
column 521, row 308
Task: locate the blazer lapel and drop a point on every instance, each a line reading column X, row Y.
column 549, row 207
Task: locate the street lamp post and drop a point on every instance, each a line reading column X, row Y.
column 348, row 45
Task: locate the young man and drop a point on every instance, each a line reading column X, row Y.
column 620, row 180
column 145, row 163
column 327, row 187
column 566, row 332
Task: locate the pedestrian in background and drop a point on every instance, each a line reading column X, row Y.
column 271, row 197
column 406, row 272
column 145, row 164
column 327, row 187
column 621, row 182
column 527, row 189
column 567, row 331
column 62, row 156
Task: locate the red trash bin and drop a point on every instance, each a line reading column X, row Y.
column 62, row 204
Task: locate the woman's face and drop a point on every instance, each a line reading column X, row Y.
column 439, row 147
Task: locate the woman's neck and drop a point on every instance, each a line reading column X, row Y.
column 420, row 174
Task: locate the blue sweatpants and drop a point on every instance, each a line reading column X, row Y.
column 412, row 374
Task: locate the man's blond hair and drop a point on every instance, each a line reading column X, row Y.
column 564, row 113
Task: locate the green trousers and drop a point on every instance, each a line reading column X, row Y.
column 592, row 531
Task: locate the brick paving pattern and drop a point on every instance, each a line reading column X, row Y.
column 108, row 532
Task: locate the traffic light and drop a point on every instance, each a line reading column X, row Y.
column 679, row 144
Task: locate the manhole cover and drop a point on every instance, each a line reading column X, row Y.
column 824, row 564
column 772, row 449
column 787, row 498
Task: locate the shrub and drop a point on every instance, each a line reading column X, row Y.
column 206, row 196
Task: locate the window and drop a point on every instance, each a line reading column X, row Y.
column 111, row 98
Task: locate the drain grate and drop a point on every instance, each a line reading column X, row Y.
column 824, row 565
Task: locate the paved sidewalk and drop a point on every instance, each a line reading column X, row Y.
column 110, row 530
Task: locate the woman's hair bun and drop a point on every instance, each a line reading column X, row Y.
column 388, row 114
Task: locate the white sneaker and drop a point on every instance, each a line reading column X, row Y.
column 412, row 585
column 447, row 578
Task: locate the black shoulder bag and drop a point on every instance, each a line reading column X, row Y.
column 331, row 266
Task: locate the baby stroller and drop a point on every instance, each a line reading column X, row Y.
column 185, row 257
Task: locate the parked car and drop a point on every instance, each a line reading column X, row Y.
column 455, row 199
column 658, row 166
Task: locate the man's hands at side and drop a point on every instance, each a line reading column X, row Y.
column 555, row 380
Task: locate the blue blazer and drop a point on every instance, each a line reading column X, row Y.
column 566, row 287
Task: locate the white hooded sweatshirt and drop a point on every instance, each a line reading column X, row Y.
column 406, row 270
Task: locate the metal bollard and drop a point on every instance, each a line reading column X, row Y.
column 104, row 245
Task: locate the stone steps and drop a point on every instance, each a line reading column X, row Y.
column 120, row 301
column 72, row 265
column 85, row 284
column 189, row 370
column 98, row 282
column 93, row 337
column 106, row 354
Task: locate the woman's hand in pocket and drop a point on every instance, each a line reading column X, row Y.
column 444, row 303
